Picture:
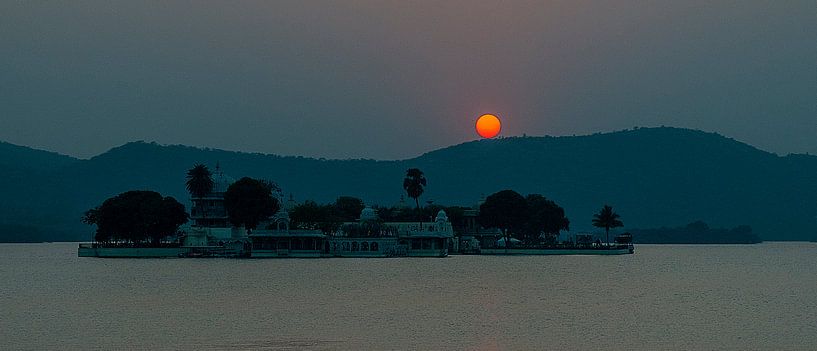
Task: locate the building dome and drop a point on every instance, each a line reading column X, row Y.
column 368, row 214
column 221, row 182
column 441, row 217
column 280, row 220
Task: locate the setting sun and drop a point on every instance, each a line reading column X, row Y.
column 488, row 126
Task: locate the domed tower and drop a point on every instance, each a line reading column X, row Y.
column 281, row 221
column 368, row 214
column 442, row 224
column 441, row 218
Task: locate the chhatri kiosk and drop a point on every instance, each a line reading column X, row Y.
column 281, row 241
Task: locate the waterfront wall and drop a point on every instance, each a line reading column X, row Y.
column 385, row 247
column 285, row 253
column 152, row 252
column 554, row 252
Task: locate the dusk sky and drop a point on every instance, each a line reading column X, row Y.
column 389, row 80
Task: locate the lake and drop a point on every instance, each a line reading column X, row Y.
column 664, row 297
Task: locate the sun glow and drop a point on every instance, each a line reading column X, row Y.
column 488, row 126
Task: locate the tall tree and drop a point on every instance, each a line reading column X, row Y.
column 310, row 215
column 199, row 184
column 137, row 216
column 506, row 210
column 171, row 216
column 199, row 181
column 544, row 216
column 414, row 184
column 348, row 208
column 607, row 219
column 249, row 201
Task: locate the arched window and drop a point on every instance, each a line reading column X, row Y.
column 374, row 246
column 364, row 246
column 354, row 246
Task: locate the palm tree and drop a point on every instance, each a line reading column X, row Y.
column 199, row 183
column 414, row 184
column 607, row 219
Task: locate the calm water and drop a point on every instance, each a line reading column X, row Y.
column 663, row 297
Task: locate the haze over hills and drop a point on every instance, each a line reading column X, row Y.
column 652, row 176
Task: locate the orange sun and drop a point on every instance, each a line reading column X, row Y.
column 488, row 126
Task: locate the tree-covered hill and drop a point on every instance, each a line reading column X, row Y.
column 653, row 177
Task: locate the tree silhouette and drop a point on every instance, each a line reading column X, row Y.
column 607, row 219
column 249, row 201
column 311, row 215
column 136, row 216
column 199, row 184
column 199, row 181
column 414, row 185
column 506, row 210
column 348, row 208
column 544, row 216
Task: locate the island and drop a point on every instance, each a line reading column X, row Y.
column 251, row 218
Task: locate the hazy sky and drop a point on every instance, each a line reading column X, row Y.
column 380, row 79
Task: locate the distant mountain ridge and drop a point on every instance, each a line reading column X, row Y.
column 16, row 156
column 652, row 176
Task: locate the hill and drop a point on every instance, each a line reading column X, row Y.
column 653, row 177
column 15, row 156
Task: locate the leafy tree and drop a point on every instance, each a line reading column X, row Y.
column 506, row 210
column 275, row 190
column 348, row 208
column 306, row 215
column 171, row 215
column 310, row 215
column 456, row 215
column 199, row 181
column 249, row 201
column 698, row 226
column 137, row 216
column 91, row 216
column 607, row 219
column 414, row 184
column 387, row 214
column 544, row 216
